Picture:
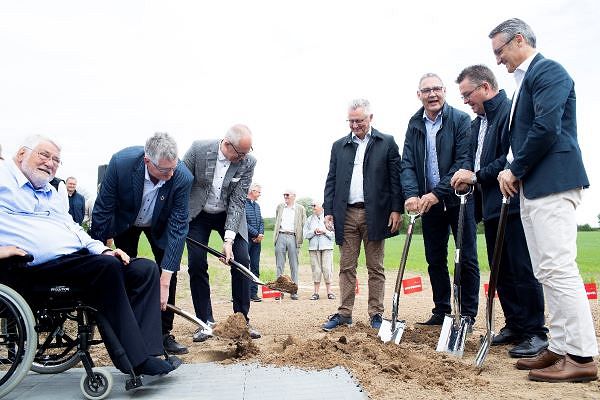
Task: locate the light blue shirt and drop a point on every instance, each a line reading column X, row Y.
column 36, row 220
column 433, row 171
column 144, row 217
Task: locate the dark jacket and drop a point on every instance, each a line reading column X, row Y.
column 453, row 150
column 120, row 199
column 381, row 183
column 543, row 134
column 256, row 225
column 77, row 207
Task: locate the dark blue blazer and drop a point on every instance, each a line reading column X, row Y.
column 120, row 198
column 543, row 132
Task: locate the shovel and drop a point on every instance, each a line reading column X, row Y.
column 245, row 271
column 455, row 327
column 192, row 318
column 486, row 340
column 394, row 328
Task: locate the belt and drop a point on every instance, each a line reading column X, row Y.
column 357, row 205
column 287, row 233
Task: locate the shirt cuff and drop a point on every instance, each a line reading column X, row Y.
column 229, row 235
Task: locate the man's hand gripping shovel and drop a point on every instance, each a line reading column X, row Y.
column 392, row 330
column 486, row 340
column 455, row 328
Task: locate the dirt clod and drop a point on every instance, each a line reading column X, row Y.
column 284, row 284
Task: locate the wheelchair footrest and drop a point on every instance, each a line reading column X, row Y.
column 133, row 383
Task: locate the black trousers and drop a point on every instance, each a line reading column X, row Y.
column 200, row 228
column 254, row 252
column 128, row 242
column 437, row 224
column 128, row 296
column 521, row 295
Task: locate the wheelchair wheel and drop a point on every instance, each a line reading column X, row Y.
column 99, row 387
column 18, row 339
column 58, row 343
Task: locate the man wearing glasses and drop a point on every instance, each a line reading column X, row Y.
column 288, row 235
column 436, row 145
column 363, row 201
column 520, row 293
column 222, row 171
column 146, row 189
column 546, row 169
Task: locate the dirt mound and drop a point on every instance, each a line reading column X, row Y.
column 284, row 284
column 235, row 329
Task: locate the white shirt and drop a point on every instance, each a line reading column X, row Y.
column 287, row 218
column 144, row 217
column 214, row 202
column 519, row 74
column 356, row 194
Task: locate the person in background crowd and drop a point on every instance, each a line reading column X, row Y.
column 76, row 201
column 320, row 247
column 256, row 233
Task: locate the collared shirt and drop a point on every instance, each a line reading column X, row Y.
column 356, row 194
column 433, row 171
column 480, row 138
column 519, row 74
column 36, row 220
column 214, row 202
column 144, row 217
column 287, row 218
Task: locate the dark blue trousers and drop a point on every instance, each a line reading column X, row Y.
column 200, row 229
column 254, row 252
column 437, row 224
column 521, row 295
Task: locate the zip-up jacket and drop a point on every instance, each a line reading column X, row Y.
column 453, row 151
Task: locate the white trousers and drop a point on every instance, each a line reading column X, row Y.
column 551, row 232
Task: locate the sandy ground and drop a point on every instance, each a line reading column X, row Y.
column 292, row 335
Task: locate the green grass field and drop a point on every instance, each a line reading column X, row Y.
column 588, row 244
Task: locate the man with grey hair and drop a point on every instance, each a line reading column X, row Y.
column 363, row 204
column 287, row 234
column 436, row 145
column 222, row 171
column 256, row 233
column 545, row 167
column 125, row 290
column 76, row 200
column 147, row 189
column 520, row 293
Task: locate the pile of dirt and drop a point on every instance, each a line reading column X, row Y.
column 284, row 284
column 235, row 329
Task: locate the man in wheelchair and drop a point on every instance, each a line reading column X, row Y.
column 124, row 291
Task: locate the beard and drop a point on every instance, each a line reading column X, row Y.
column 37, row 178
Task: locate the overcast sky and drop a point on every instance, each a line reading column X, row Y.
column 100, row 76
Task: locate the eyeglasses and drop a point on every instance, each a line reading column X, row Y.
column 45, row 156
column 435, row 89
column 313, row 205
column 239, row 153
column 499, row 50
column 286, row 195
column 256, row 191
column 357, row 121
column 163, row 170
column 467, row 95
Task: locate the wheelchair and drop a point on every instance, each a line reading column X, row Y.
column 51, row 332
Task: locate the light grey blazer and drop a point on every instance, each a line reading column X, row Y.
column 201, row 160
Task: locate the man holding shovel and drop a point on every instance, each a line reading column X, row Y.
column 520, row 293
column 546, row 168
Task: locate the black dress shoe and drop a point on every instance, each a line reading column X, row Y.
column 254, row 334
column 172, row 347
column 256, row 299
column 435, row 319
column 530, row 347
column 507, row 336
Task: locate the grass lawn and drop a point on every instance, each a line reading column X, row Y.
column 588, row 244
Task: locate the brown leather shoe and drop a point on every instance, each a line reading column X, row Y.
column 545, row 359
column 566, row 370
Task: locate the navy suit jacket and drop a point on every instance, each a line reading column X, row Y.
column 543, row 132
column 120, row 199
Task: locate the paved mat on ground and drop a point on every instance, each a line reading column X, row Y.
column 205, row 381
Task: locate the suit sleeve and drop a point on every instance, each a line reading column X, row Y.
column 105, row 205
column 394, row 164
column 408, row 167
column 177, row 228
column 550, row 90
column 237, row 199
column 330, row 182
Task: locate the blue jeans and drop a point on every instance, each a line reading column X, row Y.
column 437, row 224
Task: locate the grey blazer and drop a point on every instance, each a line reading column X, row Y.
column 201, row 160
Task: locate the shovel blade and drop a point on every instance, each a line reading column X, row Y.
column 484, row 348
column 453, row 336
column 387, row 334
